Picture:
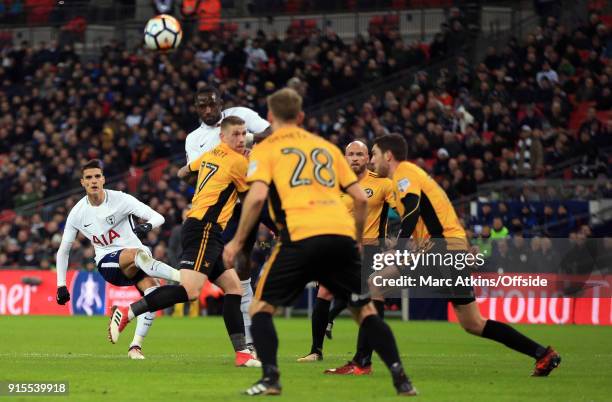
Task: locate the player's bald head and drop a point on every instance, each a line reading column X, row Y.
column 356, row 146
column 357, row 156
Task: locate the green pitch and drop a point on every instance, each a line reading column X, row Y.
column 190, row 360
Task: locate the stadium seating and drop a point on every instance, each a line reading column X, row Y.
column 450, row 126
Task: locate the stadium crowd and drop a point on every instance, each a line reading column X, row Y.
column 505, row 118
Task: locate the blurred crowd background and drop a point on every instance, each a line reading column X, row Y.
column 535, row 108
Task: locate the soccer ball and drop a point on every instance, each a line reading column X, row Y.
column 163, row 32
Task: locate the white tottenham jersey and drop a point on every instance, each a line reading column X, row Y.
column 108, row 226
column 205, row 138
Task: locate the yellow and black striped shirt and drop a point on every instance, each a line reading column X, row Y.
column 221, row 176
column 435, row 209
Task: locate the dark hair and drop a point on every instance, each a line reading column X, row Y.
column 394, row 143
column 93, row 164
column 231, row 121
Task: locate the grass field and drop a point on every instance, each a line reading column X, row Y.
column 190, row 360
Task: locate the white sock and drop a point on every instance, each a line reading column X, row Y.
column 143, row 323
column 155, row 268
column 245, row 303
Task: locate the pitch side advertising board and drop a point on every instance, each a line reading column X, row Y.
column 31, row 292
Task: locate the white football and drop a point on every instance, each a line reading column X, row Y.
column 163, row 32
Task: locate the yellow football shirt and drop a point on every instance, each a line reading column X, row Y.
column 380, row 198
column 221, row 176
column 306, row 175
column 436, row 210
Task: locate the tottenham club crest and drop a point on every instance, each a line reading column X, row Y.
column 110, row 220
column 369, row 192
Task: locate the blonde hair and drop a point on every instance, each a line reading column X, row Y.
column 231, row 121
column 285, row 104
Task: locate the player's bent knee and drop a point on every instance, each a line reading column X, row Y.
column 470, row 318
column 375, row 291
column 192, row 292
column 192, row 282
column 324, row 294
column 361, row 313
column 259, row 306
column 229, row 282
column 473, row 326
column 127, row 256
column 146, row 283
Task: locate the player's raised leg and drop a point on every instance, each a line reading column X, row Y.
column 160, row 298
column 157, row 269
column 468, row 315
column 133, row 265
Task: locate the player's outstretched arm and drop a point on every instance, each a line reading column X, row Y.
column 63, row 254
column 360, row 208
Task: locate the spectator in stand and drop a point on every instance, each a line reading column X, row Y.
column 530, row 153
column 499, row 231
column 595, row 128
column 519, row 254
column 501, row 259
column 256, row 55
column 586, row 91
column 564, row 224
column 486, row 217
column 484, row 242
column 134, row 108
column 548, row 73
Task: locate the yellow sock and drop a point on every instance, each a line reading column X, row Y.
column 194, row 309
column 179, row 310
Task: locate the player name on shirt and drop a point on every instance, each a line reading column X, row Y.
column 221, row 175
column 305, row 174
